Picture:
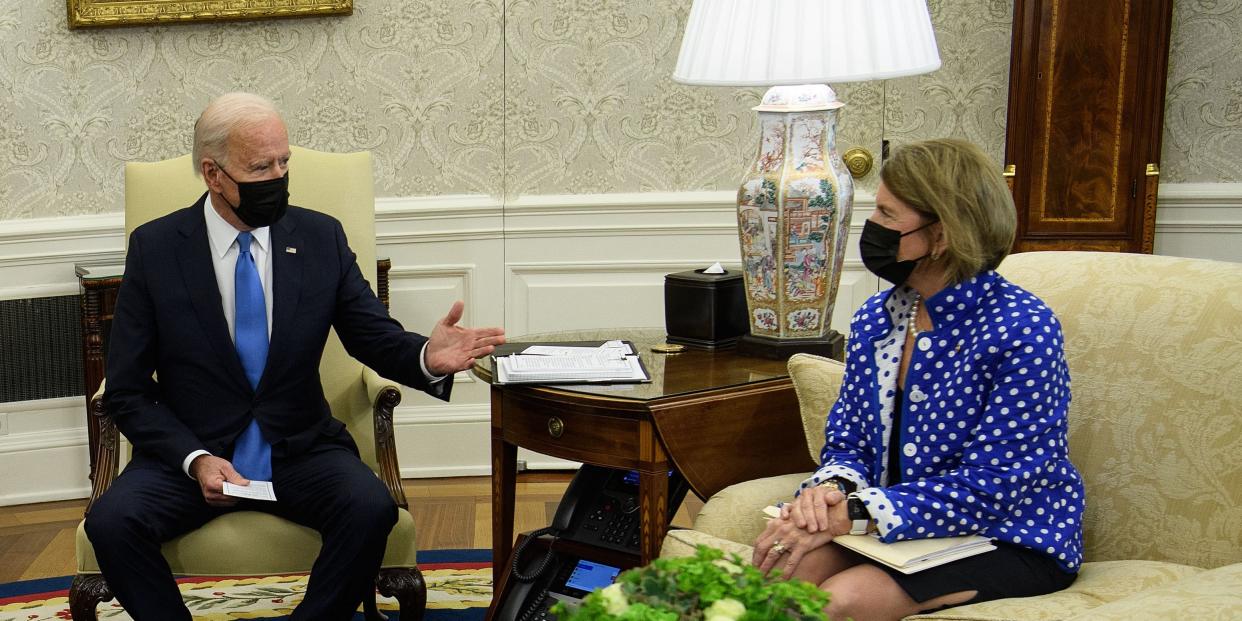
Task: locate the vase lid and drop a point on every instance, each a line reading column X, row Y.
column 799, row 98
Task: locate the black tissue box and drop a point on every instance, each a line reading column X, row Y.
column 705, row 310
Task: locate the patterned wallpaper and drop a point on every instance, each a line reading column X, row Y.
column 511, row 97
column 967, row 97
column 1203, row 99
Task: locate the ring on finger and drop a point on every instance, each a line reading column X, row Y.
column 779, row 548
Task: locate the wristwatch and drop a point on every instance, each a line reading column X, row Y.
column 860, row 518
column 839, row 484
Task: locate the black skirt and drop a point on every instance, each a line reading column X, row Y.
column 1007, row 571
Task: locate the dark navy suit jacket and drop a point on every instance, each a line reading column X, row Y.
column 169, row 321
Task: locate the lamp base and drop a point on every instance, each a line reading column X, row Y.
column 831, row 346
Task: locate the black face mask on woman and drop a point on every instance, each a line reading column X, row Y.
column 261, row 203
column 879, row 246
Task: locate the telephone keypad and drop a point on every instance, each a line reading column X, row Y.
column 612, row 522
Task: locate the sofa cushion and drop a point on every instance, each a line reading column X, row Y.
column 1153, row 354
column 735, row 513
column 1098, row 583
column 683, row 541
column 1207, row 595
column 817, row 382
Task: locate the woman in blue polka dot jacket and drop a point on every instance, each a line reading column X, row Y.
column 952, row 414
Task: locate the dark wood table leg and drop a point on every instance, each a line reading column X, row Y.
column 652, row 492
column 504, row 475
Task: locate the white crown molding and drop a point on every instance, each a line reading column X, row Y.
column 452, row 235
column 398, row 208
column 626, row 202
column 642, row 230
column 1200, row 227
column 1199, row 195
column 99, row 257
column 29, row 292
column 418, row 208
column 598, row 267
column 74, row 232
column 62, row 228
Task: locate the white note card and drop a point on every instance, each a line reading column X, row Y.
column 257, row 490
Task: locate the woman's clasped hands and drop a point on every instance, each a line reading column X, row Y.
column 813, row 518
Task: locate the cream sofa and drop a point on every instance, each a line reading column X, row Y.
column 1155, row 355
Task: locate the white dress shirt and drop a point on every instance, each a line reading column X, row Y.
column 222, row 238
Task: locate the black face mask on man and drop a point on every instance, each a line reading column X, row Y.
column 261, row 203
column 879, row 246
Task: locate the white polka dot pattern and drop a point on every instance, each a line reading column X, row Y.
column 983, row 446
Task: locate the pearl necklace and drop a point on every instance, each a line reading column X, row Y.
column 914, row 311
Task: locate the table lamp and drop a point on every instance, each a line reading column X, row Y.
column 795, row 201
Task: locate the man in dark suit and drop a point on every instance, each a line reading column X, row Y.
column 213, row 373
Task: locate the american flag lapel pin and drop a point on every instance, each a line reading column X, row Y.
column 291, row 250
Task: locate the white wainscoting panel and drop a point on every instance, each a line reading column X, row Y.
column 1202, row 220
column 43, row 454
column 562, row 295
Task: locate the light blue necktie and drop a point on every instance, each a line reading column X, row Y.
column 252, row 456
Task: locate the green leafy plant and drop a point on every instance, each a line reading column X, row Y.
column 705, row 586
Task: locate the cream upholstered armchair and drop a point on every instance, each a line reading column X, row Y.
column 252, row 543
column 1154, row 346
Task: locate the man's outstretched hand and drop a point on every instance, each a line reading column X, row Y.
column 211, row 472
column 453, row 348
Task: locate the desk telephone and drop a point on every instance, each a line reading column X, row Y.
column 599, row 510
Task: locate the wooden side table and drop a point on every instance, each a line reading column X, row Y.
column 717, row 417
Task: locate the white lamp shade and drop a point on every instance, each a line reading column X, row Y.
column 771, row 42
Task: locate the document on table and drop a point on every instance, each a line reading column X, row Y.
column 613, row 361
column 609, row 347
column 257, row 490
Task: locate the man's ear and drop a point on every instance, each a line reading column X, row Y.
column 211, row 175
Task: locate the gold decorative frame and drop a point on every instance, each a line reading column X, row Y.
column 95, row 13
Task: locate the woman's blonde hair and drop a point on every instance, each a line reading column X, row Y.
column 956, row 183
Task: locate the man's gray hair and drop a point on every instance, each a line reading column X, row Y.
column 224, row 115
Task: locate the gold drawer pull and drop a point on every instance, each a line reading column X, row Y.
column 556, row 427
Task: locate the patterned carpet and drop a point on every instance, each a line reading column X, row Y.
column 459, row 587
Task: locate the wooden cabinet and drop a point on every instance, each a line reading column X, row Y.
column 1086, row 108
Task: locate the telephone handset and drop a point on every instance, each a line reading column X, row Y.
column 599, row 510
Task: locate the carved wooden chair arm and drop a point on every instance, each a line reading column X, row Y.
column 104, row 442
column 384, row 396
